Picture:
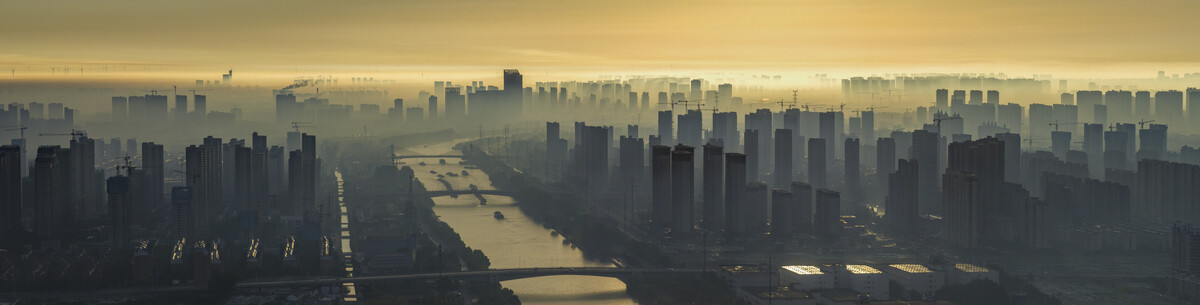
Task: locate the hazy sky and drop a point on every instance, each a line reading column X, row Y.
column 820, row 35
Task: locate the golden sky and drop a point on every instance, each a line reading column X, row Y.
column 1044, row 36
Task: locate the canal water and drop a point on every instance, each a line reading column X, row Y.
column 514, row 241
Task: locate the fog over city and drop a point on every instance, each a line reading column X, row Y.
column 626, row 152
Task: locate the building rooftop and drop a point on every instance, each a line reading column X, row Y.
column 838, row 295
column 803, row 270
column 970, row 268
column 911, row 268
column 736, row 269
column 861, row 269
column 777, row 293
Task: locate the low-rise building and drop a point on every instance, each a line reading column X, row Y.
column 781, row 295
column 917, row 278
column 805, row 278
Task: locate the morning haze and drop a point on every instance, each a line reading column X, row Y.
column 600, row 152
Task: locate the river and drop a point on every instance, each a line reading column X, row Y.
column 515, row 241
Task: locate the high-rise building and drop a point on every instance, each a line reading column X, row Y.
column 10, row 193
column 753, row 156
column 1168, row 107
column 757, row 212
column 783, row 158
column 456, row 105
column 51, row 192
column 1093, row 145
column 1060, row 143
column 120, row 211
column 1115, row 153
column 943, row 99
column 1087, row 101
column 204, row 177
column 1141, row 104
column 817, row 162
column 852, row 170
column 827, row 214
column 85, row 192
column 901, row 201
column 661, row 186
column 152, row 189
column 200, row 107
column 783, row 209
column 433, row 108
column 976, row 97
column 666, row 127
column 1118, row 105
column 735, row 193
column 181, row 205
column 885, row 159
column 513, row 90
column 1012, row 156
column 714, row 184
column 963, row 216
column 1185, row 248
column 696, row 88
column 691, row 128
column 120, row 108
column 971, row 189
column 683, row 189
column 1167, row 191
column 925, row 151
column 181, row 108
column 828, row 132
column 802, row 213
column 993, row 97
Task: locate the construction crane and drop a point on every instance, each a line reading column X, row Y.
column 22, row 128
column 75, row 134
column 1142, row 123
column 297, row 125
column 691, row 102
column 194, row 90
column 938, row 120
column 174, row 89
column 129, row 167
column 781, row 103
column 1056, row 123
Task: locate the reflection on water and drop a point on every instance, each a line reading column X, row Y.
column 516, row 241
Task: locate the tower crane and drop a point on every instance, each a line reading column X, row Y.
column 781, row 103
column 1056, row 124
column 22, row 128
column 297, row 125
column 1142, row 123
column 75, row 134
column 938, row 120
column 129, row 167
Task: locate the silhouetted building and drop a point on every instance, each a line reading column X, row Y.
column 852, row 170
column 757, row 212
column 661, row 186
column 752, row 155
column 735, row 193
column 683, row 189
column 783, row 209
column 901, row 201
column 925, row 152
column 783, row 158
column 1185, row 248
column 51, row 192
column 120, row 211
column 10, row 193
column 714, row 195
column 666, row 128
column 827, row 215
column 817, row 162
